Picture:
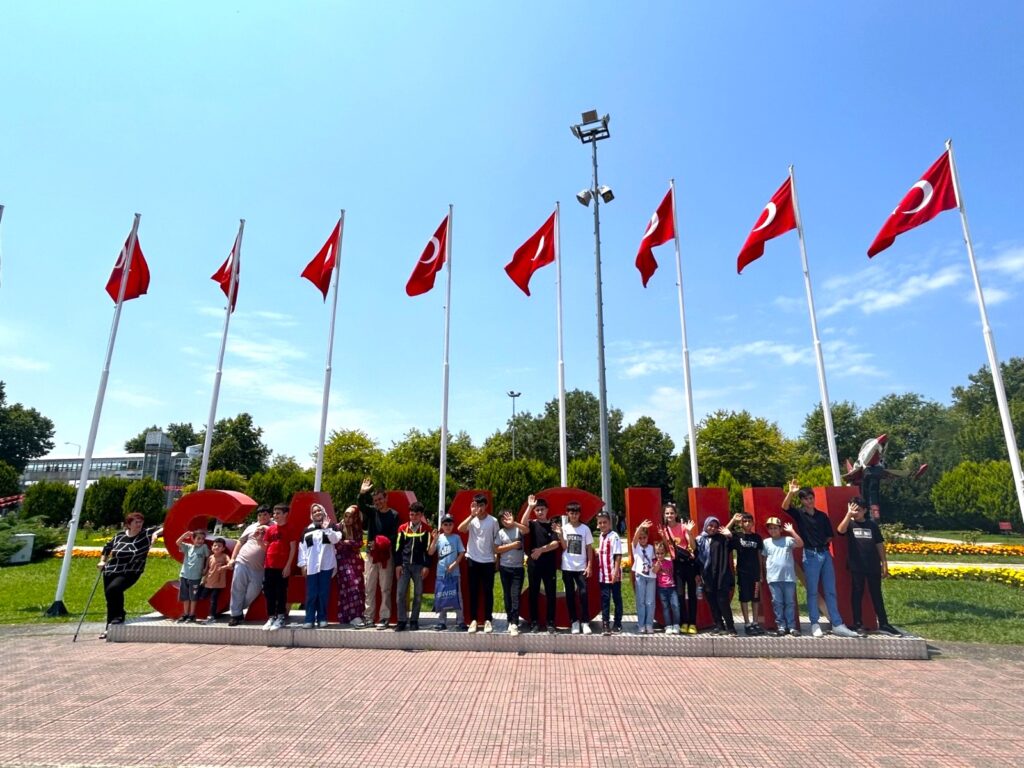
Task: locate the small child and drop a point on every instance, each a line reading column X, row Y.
column 781, row 573
column 748, row 572
column 510, row 565
column 609, row 573
column 714, row 552
column 450, row 552
column 664, row 568
column 192, row 567
column 643, row 579
column 215, row 578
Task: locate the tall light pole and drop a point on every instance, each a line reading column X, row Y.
column 592, row 130
column 513, row 395
column 78, row 448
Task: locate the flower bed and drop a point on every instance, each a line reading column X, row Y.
column 1011, row 576
column 95, row 552
column 937, row 548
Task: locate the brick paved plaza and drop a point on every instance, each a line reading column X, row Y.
column 102, row 704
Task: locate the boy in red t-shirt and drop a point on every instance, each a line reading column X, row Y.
column 280, row 558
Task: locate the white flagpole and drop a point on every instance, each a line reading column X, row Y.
column 207, row 442
column 695, row 481
column 330, row 350
column 442, row 480
column 826, row 407
column 58, row 609
column 990, row 343
column 563, row 448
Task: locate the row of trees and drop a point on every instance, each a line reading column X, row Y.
column 968, row 483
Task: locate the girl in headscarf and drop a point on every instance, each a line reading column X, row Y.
column 714, row 553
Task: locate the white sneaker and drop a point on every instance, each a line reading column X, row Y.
column 513, row 629
column 321, row 624
column 270, row 623
column 816, row 631
column 472, row 627
column 357, row 623
column 307, row 625
column 488, row 628
column 586, row 628
column 278, row 623
column 575, row 628
column 843, row 631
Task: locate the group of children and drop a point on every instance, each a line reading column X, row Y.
column 679, row 568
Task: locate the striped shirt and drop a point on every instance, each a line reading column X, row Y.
column 609, row 547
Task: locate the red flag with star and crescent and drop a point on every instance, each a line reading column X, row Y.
column 537, row 252
column 223, row 275
column 430, row 262
column 660, row 229
column 930, row 196
column 138, row 274
column 778, row 217
column 319, row 270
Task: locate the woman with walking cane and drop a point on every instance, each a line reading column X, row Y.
column 122, row 562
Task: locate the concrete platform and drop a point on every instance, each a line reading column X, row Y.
column 879, row 646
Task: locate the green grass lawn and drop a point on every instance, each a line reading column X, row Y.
column 989, row 559
column 966, row 611
column 26, row 591
column 987, row 538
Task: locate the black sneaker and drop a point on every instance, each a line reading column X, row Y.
column 400, row 626
column 414, row 626
column 605, row 629
column 190, row 619
column 462, row 627
column 181, row 620
column 889, row 629
column 440, row 627
column 234, row 621
column 616, row 629
column 552, row 630
column 781, row 632
column 534, row 627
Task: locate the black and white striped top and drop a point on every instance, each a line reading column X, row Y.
column 127, row 554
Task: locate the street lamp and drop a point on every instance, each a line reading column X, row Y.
column 590, row 131
column 513, row 395
column 78, row 452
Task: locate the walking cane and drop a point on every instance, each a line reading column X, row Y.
column 88, row 602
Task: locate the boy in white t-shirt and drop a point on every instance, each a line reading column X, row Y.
column 577, row 548
column 481, row 555
column 780, row 572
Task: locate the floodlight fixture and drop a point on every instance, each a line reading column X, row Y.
column 606, row 194
column 584, row 196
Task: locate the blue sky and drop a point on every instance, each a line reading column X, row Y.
column 197, row 114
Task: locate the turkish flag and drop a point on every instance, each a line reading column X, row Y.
column 430, row 263
column 537, row 252
column 319, row 270
column 138, row 274
column 778, row 217
column 223, row 275
column 660, row 229
column 930, row 196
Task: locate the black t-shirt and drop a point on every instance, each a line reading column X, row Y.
column 540, row 536
column 862, row 550
column 814, row 529
column 748, row 553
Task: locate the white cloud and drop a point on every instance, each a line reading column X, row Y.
column 646, row 358
column 711, row 357
column 132, row 398
column 21, row 363
column 277, row 318
column 267, row 350
column 1009, row 263
column 877, row 290
column 993, row 296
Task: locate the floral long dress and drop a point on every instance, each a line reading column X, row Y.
column 350, row 580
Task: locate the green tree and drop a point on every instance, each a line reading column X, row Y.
column 10, row 482
column 646, row 454
column 849, row 432
column 137, row 444
column 753, row 450
column 343, row 487
column 512, row 481
column 585, row 474
column 146, row 496
column 45, row 539
column 221, row 480
column 52, row 501
column 237, row 445
column 421, row 479
column 350, row 450
column 104, row 502
column 24, row 433
column 981, row 437
column 279, row 483
column 727, row 481
column 183, row 435
column 972, row 400
column 681, row 480
column 425, row 448
column 908, row 419
column 976, row 495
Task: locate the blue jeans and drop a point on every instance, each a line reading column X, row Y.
column 611, row 594
column 318, row 587
column 818, row 567
column 411, row 573
column 669, row 605
column 784, row 603
column 644, row 589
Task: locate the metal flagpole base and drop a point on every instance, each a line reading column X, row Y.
column 57, row 609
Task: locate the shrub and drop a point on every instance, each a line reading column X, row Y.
column 51, row 501
column 46, row 539
column 104, row 502
column 145, row 496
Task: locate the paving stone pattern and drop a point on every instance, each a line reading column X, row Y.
column 104, row 704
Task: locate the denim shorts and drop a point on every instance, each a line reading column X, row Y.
column 188, row 589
